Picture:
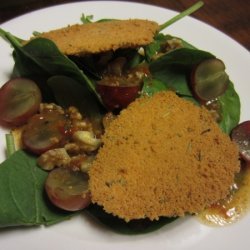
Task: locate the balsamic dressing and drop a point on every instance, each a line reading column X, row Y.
column 234, row 206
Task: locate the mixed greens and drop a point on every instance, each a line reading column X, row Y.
column 22, row 197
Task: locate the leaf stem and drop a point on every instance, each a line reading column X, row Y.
column 184, row 13
column 7, row 36
column 10, row 145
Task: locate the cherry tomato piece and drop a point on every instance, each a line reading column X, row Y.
column 45, row 131
column 241, row 135
column 209, row 79
column 20, row 99
column 68, row 189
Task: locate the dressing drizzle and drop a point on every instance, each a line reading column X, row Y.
column 234, row 206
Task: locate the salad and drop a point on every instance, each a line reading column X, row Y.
column 161, row 61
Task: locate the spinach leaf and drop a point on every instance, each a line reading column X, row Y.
column 152, row 86
column 118, row 225
column 62, row 85
column 230, row 109
column 86, row 104
column 50, row 60
column 186, row 57
column 154, row 47
column 41, row 57
column 161, row 43
column 172, row 68
column 86, row 18
column 6, row 35
column 89, row 19
column 22, row 199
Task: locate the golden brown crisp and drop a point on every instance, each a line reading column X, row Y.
column 162, row 156
column 104, row 36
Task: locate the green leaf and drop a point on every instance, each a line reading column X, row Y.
column 50, row 60
column 173, row 67
column 152, row 86
column 22, row 198
column 185, row 57
column 41, row 57
column 87, row 19
column 133, row 227
column 230, row 109
column 86, row 104
column 154, row 47
column 173, row 70
column 6, row 36
column 160, row 42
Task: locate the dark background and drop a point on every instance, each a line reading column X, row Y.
column 230, row 16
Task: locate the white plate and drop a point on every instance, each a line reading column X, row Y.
column 80, row 232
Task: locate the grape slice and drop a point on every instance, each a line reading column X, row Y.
column 68, row 189
column 20, row 99
column 209, row 79
column 117, row 97
column 241, row 135
column 45, row 131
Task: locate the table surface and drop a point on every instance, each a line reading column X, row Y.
column 229, row 16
